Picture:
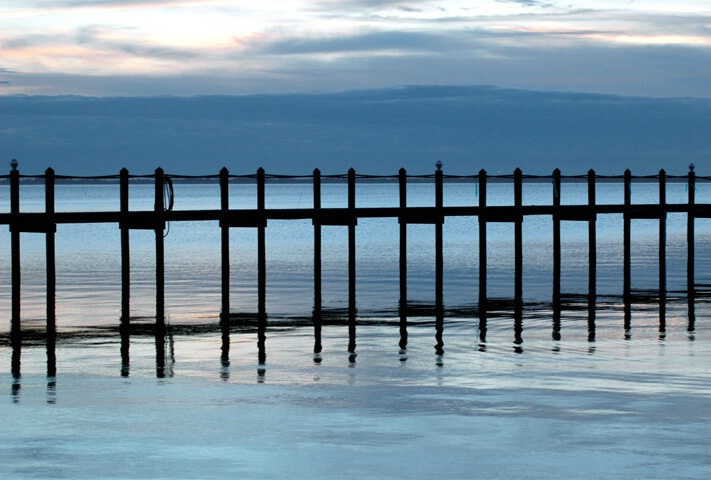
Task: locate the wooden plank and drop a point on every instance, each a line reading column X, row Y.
column 243, row 222
column 501, row 216
column 652, row 214
column 334, row 220
column 581, row 214
column 33, row 226
column 421, row 218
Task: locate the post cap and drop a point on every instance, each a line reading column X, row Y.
column 691, row 167
column 439, row 164
column 13, row 164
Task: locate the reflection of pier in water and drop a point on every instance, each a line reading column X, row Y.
column 417, row 316
column 485, row 309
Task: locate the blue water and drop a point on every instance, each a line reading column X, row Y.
column 631, row 404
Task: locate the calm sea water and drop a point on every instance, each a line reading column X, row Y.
column 630, row 404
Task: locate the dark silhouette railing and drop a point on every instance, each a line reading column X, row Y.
column 156, row 220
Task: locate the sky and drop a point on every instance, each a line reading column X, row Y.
column 206, row 47
column 90, row 86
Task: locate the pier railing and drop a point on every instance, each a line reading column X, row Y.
column 156, row 219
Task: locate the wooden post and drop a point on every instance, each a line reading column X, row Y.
column 50, row 252
column 15, row 247
column 662, row 249
column 261, row 239
column 159, row 218
column 160, row 247
column 627, row 289
column 690, row 234
column 125, row 276
column 225, row 244
column 318, row 292
column 518, row 240
column 50, row 256
column 261, row 267
column 351, row 261
column 556, row 256
column 518, row 247
column 125, row 252
column 439, row 244
column 556, row 241
column 225, row 264
column 402, row 178
column 439, row 262
column 592, row 255
column 482, row 255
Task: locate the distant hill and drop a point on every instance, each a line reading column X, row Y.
column 374, row 131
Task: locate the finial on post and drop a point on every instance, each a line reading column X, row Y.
column 691, row 167
column 13, row 164
column 439, row 164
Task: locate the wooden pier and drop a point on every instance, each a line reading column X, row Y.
column 258, row 218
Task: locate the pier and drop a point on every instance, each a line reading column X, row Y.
column 258, row 218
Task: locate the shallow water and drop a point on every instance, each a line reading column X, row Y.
column 613, row 408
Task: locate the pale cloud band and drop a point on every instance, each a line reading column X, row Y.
column 135, row 47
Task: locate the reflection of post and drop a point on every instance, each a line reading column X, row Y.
column 261, row 268
column 125, row 252
column 691, row 314
column 518, row 330
column 482, row 255
column 160, row 350
column 627, row 289
column 225, row 263
column 592, row 255
column 318, row 296
column 125, row 350
column 662, row 250
column 16, row 359
column 51, row 391
column 51, row 356
column 160, row 247
column 16, row 386
column 351, row 262
column 402, row 177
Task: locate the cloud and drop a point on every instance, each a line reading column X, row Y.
column 61, row 4
column 331, row 45
column 367, row 42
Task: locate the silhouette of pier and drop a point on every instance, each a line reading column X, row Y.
column 258, row 218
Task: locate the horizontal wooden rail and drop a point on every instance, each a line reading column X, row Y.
column 149, row 219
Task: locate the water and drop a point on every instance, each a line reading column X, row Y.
column 630, row 404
